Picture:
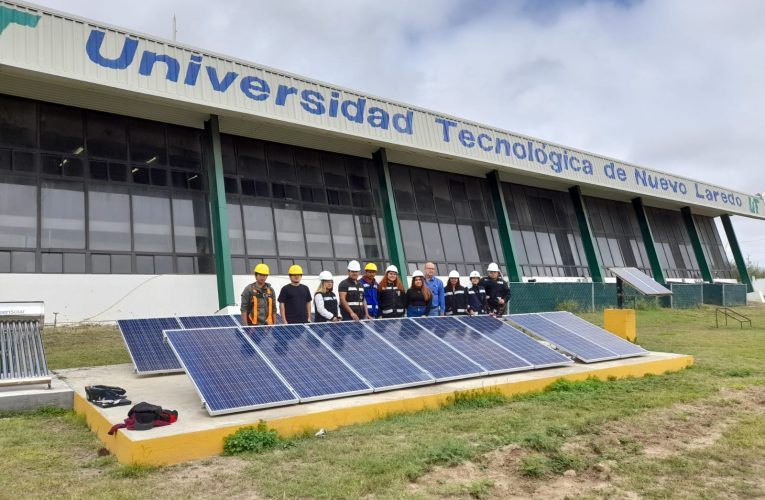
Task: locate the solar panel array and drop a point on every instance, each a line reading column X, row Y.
column 640, row 281
column 576, row 336
column 237, row 368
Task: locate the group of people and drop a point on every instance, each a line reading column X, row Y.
column 363, row 297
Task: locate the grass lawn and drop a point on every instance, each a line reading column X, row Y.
column 696, row 433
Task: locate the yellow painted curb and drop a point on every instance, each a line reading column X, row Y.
column 200, row 444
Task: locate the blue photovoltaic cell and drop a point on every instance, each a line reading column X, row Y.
column 425, row 349
column 227, row 371
column 563, row 338
column 217, row 321
column 494, row 358
column 379, row 363
column 594, row 334
column 146, row 345
column 307, row 364
column 516, row 341
column 640, row 281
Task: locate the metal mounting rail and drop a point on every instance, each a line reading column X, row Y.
column 730, row 313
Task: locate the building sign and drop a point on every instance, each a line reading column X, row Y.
column 74, row 48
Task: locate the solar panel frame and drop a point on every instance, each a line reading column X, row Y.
column 516, row 339
column 640, row 281
column 433, row 322
column 572, row 344
column 603, row 338
column 212, row 321
column 168, row 336
column 161, row 348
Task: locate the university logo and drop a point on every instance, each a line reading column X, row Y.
column 10, row 16
column 754, row 205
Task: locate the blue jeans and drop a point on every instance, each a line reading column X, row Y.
column 415, row 311
column 434, row 311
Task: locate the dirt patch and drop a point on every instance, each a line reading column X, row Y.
column 657, row 434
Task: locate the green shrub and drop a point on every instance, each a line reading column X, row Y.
column 569, row 305
column 534, row 466
column 739, row 372
column 251, row 440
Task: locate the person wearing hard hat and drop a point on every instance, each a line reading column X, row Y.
column 324, row 300
column 476, row 295
column 353, row 306
column 437, row 287
column 455, row 297
column 370, row 288
column 295, row 298
column 259, row 299
column 497, row 291
column 418, row 300
column 391, row 295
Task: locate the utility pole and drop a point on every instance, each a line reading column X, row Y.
column 175, row 29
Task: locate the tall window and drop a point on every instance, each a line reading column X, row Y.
column 714, row 251
column 617, row 234
column 673, row 245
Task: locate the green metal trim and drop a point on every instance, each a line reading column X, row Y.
column 648, row 241
column 503, row 226
column 698, row 248
column 735, row 249
column 588, row 240
column 390, row 214
column 221, row 246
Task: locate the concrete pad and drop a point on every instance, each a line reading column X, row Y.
column 35, row 396
column 197, row 435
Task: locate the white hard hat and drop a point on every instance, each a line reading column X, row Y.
column 354, row 266
column 454, row 274
column 325, row 276
column 475, row 274
column 493, row 267
column 418, row 274
column 391, row 269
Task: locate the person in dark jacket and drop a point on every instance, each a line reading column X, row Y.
column 418, row 299
column 476, row 295
column 390, row 294
column 455, row 296
column 497, row 291
column 325, row 300
column 353, row 305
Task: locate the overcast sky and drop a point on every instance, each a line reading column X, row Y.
column 676, row 85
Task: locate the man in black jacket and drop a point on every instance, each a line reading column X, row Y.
column 497, row 291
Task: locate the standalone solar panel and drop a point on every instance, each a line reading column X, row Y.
column 227, row 371
column 563, row 338
column 380, row 364
column 603, row 338
column 517, row 342
column 427, row 350
column 216, row 321
column 640, row 281
column 146, row 345
column 490, row 355
column 309, row 366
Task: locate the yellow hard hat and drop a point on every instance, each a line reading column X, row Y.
column 371, row 267
column 262, row 269
column 295, row 269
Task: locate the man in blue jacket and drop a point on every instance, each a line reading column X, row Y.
column 437, row 287
column 370, row 288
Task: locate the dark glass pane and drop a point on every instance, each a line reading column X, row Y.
column 118, row 172
column 329, row 265
column 402, row 188
column 251, row 158
column 152, row 231
column 107, row 136
column 109, row 226
column 314, row 267
column 147, row 143
column 308, row 167
column 122, row 264
column 52, row 165
column 366, row 229
column 281, row 165
column 158, row 177
column 205, row 264
column 18, row 122
column 24, row 161
column 344, row 236
column 230, row 185
column 184, row 147
column 195, row 182
column 61, row 129
column 412, row 236
column 228, row 151
column 163, row 264
column 99, row 170
column 144, row 264
column 469, row 244
column 459, row 197
column 334, row 171
column 63, row 215
column 18, row 214
column 52, row 263
column 362, row 199
column 235, row 231
column 423, row 193
column 239, row 266
column 440, row 188
column 186, row 265
column 191, row 225
column 140, row 175
column 317, row 233
column 179, row 179
column 434, row 249
column 5, row 262
column 100, row 264
column 248, row 187
column 259, row 228
column 22, row 262
column 262, row 189
column 74, row 263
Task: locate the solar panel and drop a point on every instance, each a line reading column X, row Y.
column 640, row 281
column 517, row 342
column 374, row 359
column 219, row 320
column 227, row 371
column 430, row 352
column 604, row 338
column 146, row 346
column 491, row 356
column 564, row 339
column 309, row 366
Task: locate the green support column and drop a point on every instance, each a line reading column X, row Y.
column 390, row 215
column 221, row 247
column 588, row 240
column 698, row 249
column 648, row 241
column 735, row 249
column 503, row 225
